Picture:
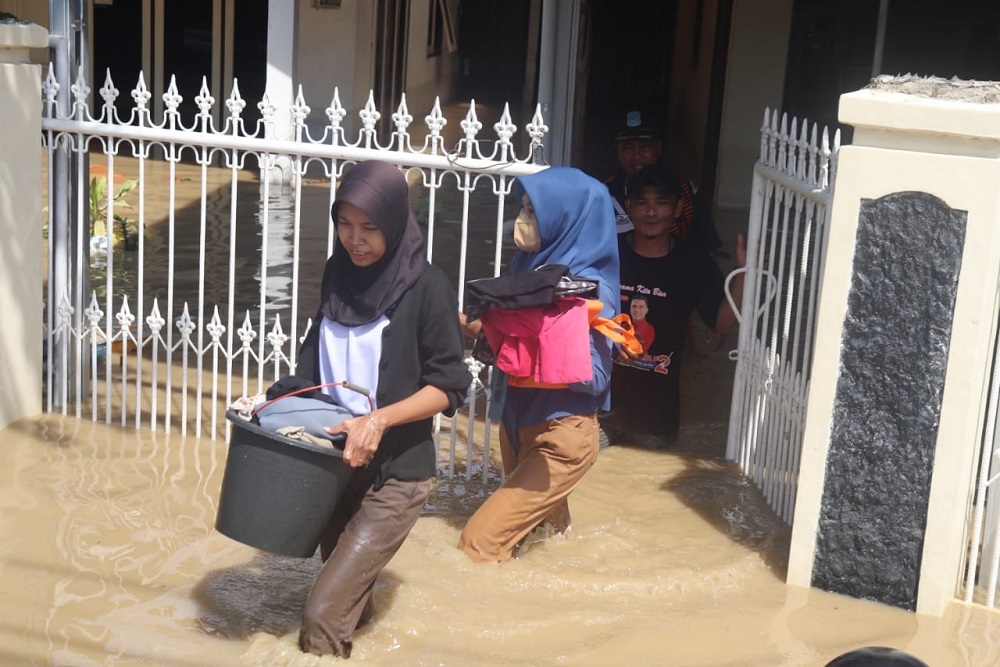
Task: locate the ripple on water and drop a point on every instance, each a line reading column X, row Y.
column 109, row 556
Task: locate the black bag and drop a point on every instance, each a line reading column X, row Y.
column 524, row 289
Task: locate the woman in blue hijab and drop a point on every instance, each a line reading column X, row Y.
column 549, row 437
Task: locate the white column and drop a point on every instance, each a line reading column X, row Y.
column 557, row 76
column 21, row 271
column 280, row 86
column 905, row 147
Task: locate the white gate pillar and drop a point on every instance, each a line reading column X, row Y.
column 903, row 352
column 21, row 271
column 557, row 69
column 282, row 18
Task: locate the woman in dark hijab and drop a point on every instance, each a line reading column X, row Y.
column 387, row 322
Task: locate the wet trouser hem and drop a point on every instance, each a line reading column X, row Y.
column 551, row 461
column 364, row 534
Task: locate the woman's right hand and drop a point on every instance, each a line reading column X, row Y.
column 364, row 434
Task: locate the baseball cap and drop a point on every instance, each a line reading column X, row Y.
column 653, row 174
column 636, row 129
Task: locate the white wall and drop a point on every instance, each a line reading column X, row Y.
column 20, row 223
column 755, row 79
column 334, row 50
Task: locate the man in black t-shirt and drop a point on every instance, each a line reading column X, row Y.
column 674, row 278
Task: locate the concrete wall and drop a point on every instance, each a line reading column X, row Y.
column 29, row 10
column 755, row 79
column 36, row 11
column 334, row 48
column 914, row 240
column 346, row 38
column 21, row 271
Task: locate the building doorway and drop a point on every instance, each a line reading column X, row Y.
column 631, row 47
column 188, row 39
column 390, row 58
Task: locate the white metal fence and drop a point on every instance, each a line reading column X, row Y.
column 982, row 560
column 215, row 299
column 786, row 242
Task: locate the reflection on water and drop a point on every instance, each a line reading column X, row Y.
column 277, row 267
column 218, row 251
column 108, row 556
column 267, row 594
column 245, row 235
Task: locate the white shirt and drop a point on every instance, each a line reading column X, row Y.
column 351, row 354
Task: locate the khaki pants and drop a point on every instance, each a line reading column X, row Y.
column 366, row 531
column 552, row 460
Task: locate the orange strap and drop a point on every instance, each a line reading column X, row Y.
column 520, row 381
column 618, row 328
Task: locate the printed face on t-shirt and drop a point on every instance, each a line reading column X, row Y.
column 638, row 309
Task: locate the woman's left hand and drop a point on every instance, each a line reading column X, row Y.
column 364, row 434
column 625, row 356
column 470, row 328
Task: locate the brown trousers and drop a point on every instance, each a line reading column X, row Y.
column 365, row 532
column 551, row 462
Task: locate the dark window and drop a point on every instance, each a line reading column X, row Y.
column 435, row 29
column 832, row 48
column 440, row 29
column 959, row 38
column 830, row 53
column 118, row 47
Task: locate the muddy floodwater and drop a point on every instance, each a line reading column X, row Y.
column 108, row 556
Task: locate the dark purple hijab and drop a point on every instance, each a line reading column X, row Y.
column 352, row 295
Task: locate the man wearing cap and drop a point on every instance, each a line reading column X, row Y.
column 639, row 145
column 674, row 279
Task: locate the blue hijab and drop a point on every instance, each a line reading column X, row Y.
column 576, row 221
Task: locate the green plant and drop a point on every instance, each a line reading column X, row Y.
column 126, row 230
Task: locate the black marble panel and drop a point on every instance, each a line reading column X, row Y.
column 894, row 350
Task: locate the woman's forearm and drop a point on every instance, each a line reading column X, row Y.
column 426, row 402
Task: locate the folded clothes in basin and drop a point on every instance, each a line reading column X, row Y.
column 309, row 413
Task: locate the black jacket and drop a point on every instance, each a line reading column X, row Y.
column 422, row 345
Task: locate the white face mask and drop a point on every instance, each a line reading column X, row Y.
column 526, row 234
